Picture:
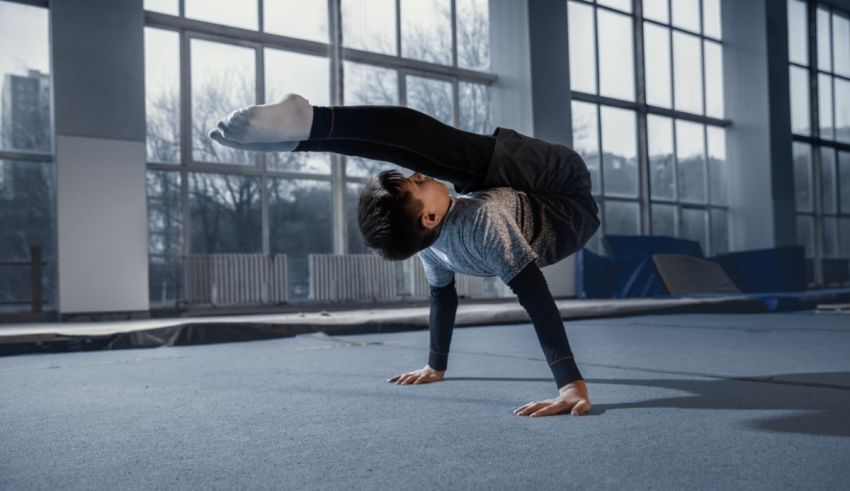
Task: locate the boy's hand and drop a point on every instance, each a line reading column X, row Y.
column 573, row 397
column 422, row 376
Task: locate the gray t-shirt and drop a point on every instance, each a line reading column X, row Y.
column 481, row 235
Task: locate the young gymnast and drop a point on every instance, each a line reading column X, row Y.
column 523, row 203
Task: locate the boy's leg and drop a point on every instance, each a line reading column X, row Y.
column 447, row 150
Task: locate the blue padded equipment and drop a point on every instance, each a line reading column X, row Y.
column 647, row 245
column 780, row 269
column 616, row 277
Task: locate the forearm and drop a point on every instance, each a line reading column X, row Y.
column 533, row 294
column 444, row 304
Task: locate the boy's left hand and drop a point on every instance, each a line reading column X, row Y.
column 573, row 397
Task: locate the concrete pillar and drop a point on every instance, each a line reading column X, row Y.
column 97, row 50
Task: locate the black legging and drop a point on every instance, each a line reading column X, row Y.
column 403, row 136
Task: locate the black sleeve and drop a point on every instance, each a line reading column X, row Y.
column 533, row 292
column 442, row 321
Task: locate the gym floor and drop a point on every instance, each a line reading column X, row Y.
column 679, row 401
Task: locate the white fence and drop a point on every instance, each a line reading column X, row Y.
column 252, row 279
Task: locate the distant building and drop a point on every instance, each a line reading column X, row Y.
column 25, row 122
column 26, row 112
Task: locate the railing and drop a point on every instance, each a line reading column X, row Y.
column 36, row 294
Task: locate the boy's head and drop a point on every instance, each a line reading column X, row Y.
column 399, row 216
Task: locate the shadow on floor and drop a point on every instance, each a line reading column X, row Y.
column 819, row 402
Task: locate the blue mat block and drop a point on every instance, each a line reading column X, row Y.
column 616, row 277
column 781, row 269
column 647, row 245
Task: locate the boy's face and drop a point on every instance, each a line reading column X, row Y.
column 434, row 196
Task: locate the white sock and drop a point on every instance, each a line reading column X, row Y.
column 286, row 120
column 282, row 146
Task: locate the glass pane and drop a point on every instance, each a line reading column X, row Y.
column 717, row 172
column 844, row 181
column 825, row 106
column 798, row 33
column 687, row 73
column 473, row 34
column 310, row 23
column 690, row 153
column 165, row 219
column 686, row 14
column 624, row 5
column 824, row 35
column 842, row 110
column 162, row 95
column 695, row 227
column 841, row 44
column 586, row 139
column 828, row 181
column 799, row 101
column 619, row 152
column 300, row 217
column 616, row 60
column 25, row 78
column 28, row 218
column 475, row 113
column 300, row 74
column 719, row 232
column 165, row 281
column 806, row 233
column 236, row 13
column 802, row 176
column 222, row 81
column 426, row 30
column 713, row 79
column 165, row 6
column 432, row 97
column 369, row 25
column 365, row 85
column 844, row 237
column 355, row 238
column 224, row 214
column 663, row 220
column 582, row 48
column 595, row 242
column 622, row 217
column 830, row 237
column 711, row 18
column 662, row 173
column 656, row 10
column 657, row 62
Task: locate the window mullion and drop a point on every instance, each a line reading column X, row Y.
column 642, row 132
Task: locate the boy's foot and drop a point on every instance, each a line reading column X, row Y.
column 287, row 120
column 253, row 147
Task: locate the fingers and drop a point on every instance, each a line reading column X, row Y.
column 553, row 408
column 582, row 407
column 530, row 408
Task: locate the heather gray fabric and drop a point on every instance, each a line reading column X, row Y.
column 686, row 275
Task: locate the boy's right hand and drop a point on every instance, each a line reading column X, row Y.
column 422, row 376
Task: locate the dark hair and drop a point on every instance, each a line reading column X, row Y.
column 388, row 217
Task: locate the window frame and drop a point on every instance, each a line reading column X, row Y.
column 642, row 110
column 815, row 141
column 188, row 29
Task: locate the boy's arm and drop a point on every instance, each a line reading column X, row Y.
column 444, row 303
column 531, row 289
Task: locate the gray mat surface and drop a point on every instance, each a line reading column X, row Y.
column 758, row 401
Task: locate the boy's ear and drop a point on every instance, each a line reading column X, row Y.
column 429, row 220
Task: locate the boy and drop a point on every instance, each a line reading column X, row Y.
column 524, row 203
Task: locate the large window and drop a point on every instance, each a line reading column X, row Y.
column 648, row 116
column 819, row 78
column 27, row 186
column 206, row 58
